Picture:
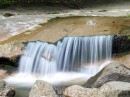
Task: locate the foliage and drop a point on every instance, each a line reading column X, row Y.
column 70, row 3
column 4, row 2
column 128, row 15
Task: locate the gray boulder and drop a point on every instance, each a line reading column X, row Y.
column 110, row 89
column 6, row 90
column 79, row 91
column 11, row 50
column 116, row 89
column 112, row 72
column 42, row 89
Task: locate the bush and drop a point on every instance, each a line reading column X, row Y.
column 4, row 3
column 74, row 3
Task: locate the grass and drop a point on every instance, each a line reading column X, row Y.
column 123, row 53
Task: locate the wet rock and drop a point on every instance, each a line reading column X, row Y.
column 10, row 52
column 121, row 43
column 41, row 89
column 8, row 14
column 110, row 89
column 113, row 72
column 6, row 90
column 59, row 90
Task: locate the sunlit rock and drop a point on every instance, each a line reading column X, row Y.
column 116, row 89
column 78, row 91
column 110, row 89
column 11, row 49
column 3, row 73
column 42, row 89
column 6, row 90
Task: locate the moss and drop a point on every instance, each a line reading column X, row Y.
column 128, row 37
column 104, row 30
column 53, row 19
column 102, row 10
column 123, row 53
column 4, row 3
column 7, row 67
column 62, row 18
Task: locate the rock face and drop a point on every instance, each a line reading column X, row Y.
column 113, row 72
column 9, row 52
column 116, row 89
column 42, row 89
column 121, row 43
column 6, row 90
column 11, row 49
column 110, row 89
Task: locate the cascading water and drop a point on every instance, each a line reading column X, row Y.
column 71, row 61
column 72, row 54
column 39, row 58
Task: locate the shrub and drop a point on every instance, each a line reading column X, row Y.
column 4, row 3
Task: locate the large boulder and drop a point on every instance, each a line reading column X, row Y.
column 112, row 72
column 10, row 53
column 11, row 49
column 116, row 89
column 6, row 90
column 110, row 89
column 79, row 91
column 42, row 89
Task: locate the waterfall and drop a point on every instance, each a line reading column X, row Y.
column 70, row 54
